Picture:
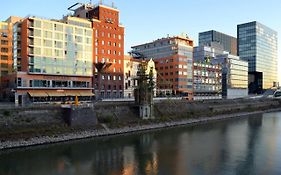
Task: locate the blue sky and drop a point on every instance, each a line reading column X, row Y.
column 146, row 20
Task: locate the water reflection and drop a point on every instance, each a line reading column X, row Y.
column 241, row 146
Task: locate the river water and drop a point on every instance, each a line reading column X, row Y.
column 243, row 146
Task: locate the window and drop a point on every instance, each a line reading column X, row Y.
column 4, row 50
column 4, row 42
column 58, row 27
column 19, row 82
column 4, row 65
column 4, row 57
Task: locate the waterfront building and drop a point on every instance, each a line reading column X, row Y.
column 257, row 44
column 219, row 74
column 174, row 64
column 6, row 53
column 131, row 71
column 108, row 48
column 207, row 80
column 234, row 76
column 228, row 42
column 207, row 73
column 52, row 60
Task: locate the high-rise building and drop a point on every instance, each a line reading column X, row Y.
column 257, row 44
column 228, row 42
column 52, row 60
column 174, row 63
column 6, row 53
column 108, row 48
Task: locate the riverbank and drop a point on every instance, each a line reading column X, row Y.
column 122, row 130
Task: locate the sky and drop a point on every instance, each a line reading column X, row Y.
column 148, row 20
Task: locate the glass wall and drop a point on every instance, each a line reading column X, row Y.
column 257, row 44
column 60, row 49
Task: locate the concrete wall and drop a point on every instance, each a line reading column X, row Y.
column 124, row 113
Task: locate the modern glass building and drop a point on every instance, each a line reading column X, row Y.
column 234, row 76
column 257, row 44
column 218, row 73
column 228, row 42
column 53, row 60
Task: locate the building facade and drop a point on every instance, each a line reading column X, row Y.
column 174, row 64
column 207, row 73
column 228, row 42
column 108, row 48
column 218, row 73
column 234, row 76
column 207, row 80
column 6, row 55
column 131, row 68
column 6, row 50
column 131, row 74
column 52, row 60
column 257, row 44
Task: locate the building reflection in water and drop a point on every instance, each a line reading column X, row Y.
column 240, row 146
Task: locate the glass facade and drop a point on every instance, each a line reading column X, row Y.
column 257, row 44
column 231, row 74
column 59, row 48
column 229, row 43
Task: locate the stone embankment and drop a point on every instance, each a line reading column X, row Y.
column 123, row 119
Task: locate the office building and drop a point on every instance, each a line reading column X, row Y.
column 234, row 76
column 108, row 48
column 218, row 73
column 207, row 74
column 228, row 42
column 174, row 64
column 257, row 44
column 52, row 60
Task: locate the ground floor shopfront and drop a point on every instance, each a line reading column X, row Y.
column 62, row 96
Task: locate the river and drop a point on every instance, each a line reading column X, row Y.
column 243, row 146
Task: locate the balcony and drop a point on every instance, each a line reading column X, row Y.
column 31, row 34
column 31, row 43
column 31, row 51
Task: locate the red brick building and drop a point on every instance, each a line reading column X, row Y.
column 174, row 64
column 108, row 48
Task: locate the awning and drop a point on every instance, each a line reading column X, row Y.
column 56, row 94
column 86, row 94
column 38, row 94
column 72, row 93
